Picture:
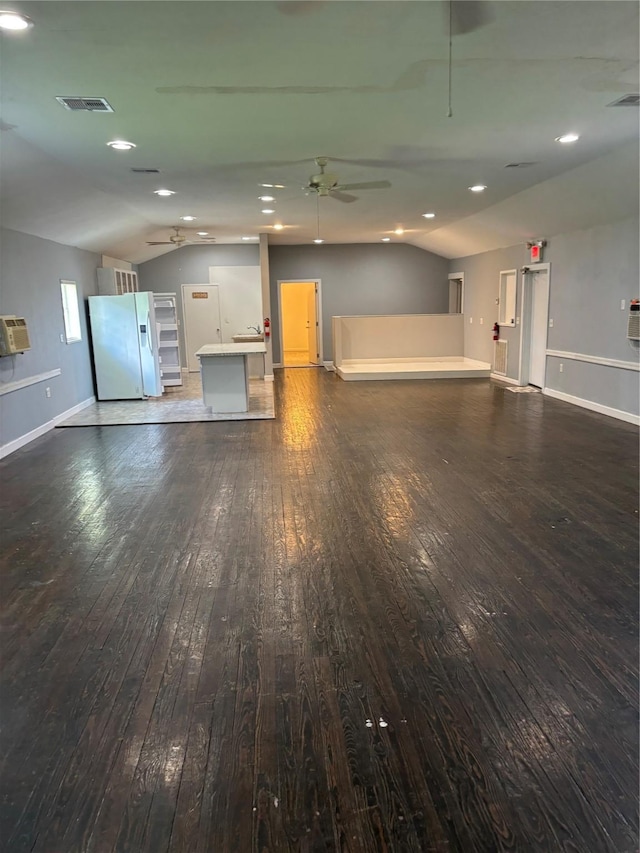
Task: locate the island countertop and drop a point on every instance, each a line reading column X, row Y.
column 231, row 349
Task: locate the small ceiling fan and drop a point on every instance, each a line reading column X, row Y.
column 178, row 239
column 327, row 184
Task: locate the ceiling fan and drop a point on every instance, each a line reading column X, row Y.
column 178, row 239
column 326, row 184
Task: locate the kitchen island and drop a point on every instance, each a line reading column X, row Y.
column 224, row 370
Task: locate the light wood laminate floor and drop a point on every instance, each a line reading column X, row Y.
column 179, row 404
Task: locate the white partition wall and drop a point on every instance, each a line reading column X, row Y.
column 398, row 336
column 402, row 346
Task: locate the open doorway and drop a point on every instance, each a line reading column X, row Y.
column 300, row 323
column 456, row 293
column 534, row 325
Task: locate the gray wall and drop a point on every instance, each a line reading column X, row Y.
column 30, row 273
column 591, row 272
column 190, row 265
column 481, row 280
column 371, row 278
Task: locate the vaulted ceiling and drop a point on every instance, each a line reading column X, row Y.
column 221, row 97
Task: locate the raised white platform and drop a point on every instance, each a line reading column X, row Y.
column 439, row 367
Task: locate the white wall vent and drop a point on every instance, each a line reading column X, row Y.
column 626, row 101
column 91, row 105
column 500, row 358
column 146, row 171
column 633, row 329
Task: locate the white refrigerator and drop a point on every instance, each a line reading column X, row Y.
column 125, row 346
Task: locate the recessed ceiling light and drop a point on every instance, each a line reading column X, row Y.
column 272, row 186
column 187, row 218
column 249, row 238
column 121, row 145
column 399, row 231
column 163, row 192
column 278, row 226
column 428, row 215
column 478, row 188
column 14, row 21
column 568, row 137
column 268, row 210
column 386, row 239
column 266, row 198
column 202, row 233
column 318, row 240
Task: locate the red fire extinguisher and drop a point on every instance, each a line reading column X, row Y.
column 267, row 328
column 496, row 332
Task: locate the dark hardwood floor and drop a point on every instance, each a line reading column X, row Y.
column 401, row 617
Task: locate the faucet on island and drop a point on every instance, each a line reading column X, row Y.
column 256, row 329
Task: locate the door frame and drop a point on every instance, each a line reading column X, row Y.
column 526, row 319
column 184, row 319
column 456, row 276
column 318, row 284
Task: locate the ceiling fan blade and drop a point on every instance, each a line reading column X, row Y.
column 340, row 196
column 367, row 185
column 159, row 243
column 467, row 15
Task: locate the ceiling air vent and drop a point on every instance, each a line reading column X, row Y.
column 519, row 165
column 626, row 101
column 91, row 105
column 146, row 171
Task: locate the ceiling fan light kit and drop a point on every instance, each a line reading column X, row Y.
column 327, row 185
column 179, row 239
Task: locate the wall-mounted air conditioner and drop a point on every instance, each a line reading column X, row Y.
column 14, row 335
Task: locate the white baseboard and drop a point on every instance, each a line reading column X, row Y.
column 268, row 377
column 17, row 443
column 329, row 365
column 594, row 407
column 499, row 378
column 278, row 364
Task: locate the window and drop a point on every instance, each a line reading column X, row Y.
column 71, row 312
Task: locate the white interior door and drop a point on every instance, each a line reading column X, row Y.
column 201, row 308
column 539, row 327
column 312, row 325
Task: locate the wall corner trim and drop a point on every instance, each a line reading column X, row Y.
column 594, row 407
column 30, row 436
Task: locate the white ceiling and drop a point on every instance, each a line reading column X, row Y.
column 221, row 96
